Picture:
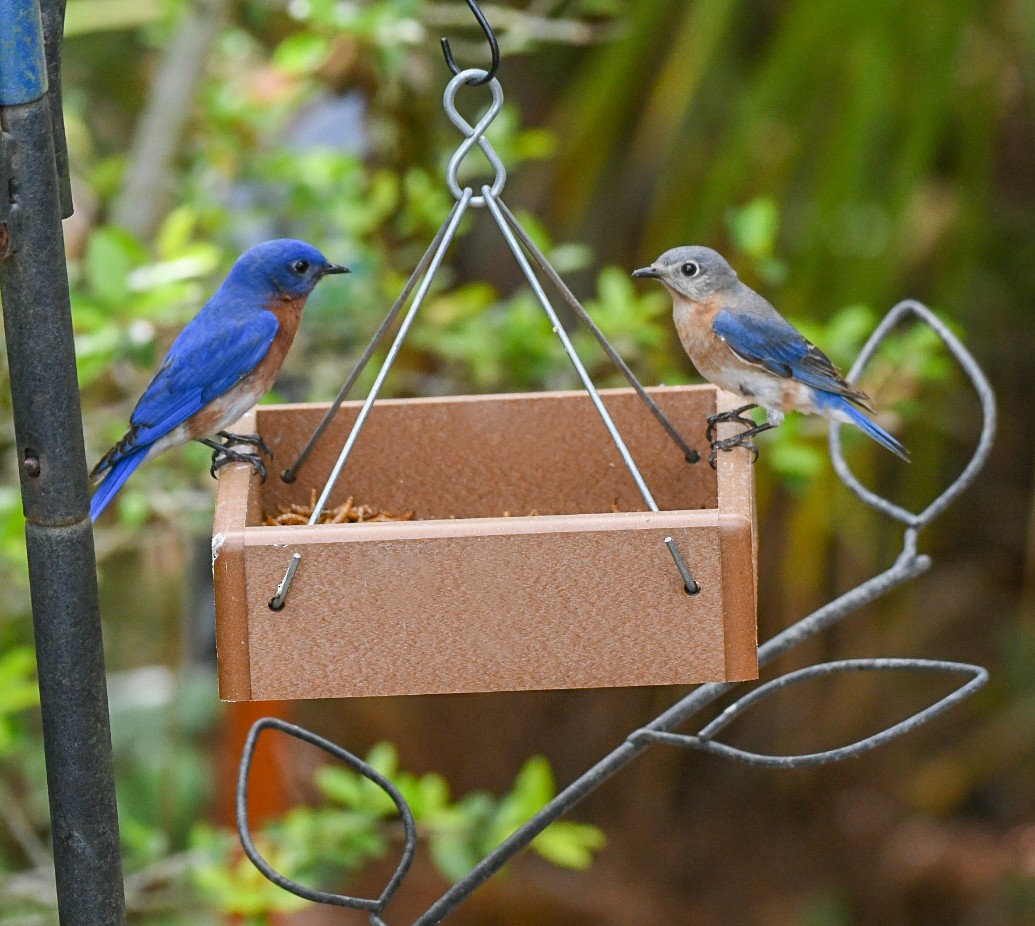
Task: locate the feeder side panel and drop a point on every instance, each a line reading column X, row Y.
column 236, row 502
column 738, row 534
column 500, row 604
column 482, row 456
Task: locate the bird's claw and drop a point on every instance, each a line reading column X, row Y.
column 729, row 443
column 733, row 415
column 255, row 440
column 223, row 456
column 737, row 419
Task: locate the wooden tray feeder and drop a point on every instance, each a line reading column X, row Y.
column 582, row 594
column 559, row 540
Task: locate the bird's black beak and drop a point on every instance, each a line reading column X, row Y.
column 648, row 273
column 334, row 268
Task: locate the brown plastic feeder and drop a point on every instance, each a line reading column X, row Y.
column 582, row 595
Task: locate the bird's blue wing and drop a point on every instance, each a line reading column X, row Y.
column 777, row 346
column 216, row 350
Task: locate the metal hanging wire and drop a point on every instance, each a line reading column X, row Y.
column 419, row 285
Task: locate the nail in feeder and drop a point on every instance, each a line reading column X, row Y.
column 560, row 540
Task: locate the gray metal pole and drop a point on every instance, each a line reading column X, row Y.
column 55, row 494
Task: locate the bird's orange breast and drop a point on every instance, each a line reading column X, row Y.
column 693, row 322
column 227, row 408
column 289, row 315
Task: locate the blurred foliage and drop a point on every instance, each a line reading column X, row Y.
column 357, row 824
column 842, row 156
column 177, row 866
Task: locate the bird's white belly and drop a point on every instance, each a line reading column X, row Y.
column 216, row 416
column 230, row 406
column 755, row 385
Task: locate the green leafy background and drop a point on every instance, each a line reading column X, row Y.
column 843, row 155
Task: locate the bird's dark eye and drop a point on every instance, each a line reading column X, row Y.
column 300, row 266
column 690, row 269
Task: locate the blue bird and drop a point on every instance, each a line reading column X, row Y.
column 221, row 364
column 741, row 344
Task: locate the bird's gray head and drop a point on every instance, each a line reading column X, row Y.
column 693, row 272
column 284, row 267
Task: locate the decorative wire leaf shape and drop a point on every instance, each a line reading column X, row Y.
column 985, row 396
column 357, row 765
column 705, row 742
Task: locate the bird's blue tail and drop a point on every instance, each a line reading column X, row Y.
column 114, row 480
column 839, row 403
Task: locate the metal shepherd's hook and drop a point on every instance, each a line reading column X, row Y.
column 494, row 48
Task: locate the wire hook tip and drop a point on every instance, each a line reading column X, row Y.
column 490, row 37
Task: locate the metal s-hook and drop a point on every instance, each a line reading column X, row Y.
column 494, row 48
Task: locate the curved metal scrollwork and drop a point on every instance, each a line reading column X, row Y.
column 705, row 740
column 372, row 906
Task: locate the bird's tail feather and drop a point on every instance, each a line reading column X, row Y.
column 114, row 480
column 864, row 424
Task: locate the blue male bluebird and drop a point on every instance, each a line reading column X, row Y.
column 740, row 343
column 221, row 364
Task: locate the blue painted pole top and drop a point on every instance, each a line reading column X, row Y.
column 23, row 64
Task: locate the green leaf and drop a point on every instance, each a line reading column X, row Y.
column 134, row 508
column 534, row 785
column 569, row 844
column 340, row 785
column 384, row 758
column 453, row 855
column 18, row 689
column 302, row 53
column 428, row 795
column 754, row 227
column 533, row 788
column 111, row 253
column 95, row 353
column 796, row 460
column 176, row 231
column 241, row 889
column 357, row 792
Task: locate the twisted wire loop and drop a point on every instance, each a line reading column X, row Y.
column 373, row 906
column 474, row 135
